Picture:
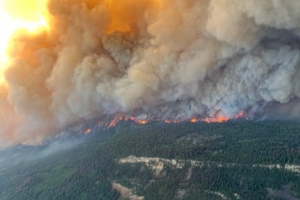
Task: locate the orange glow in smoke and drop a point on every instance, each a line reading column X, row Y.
column 220, row 118
column 127, row 118
column 194, row 120
column 217, row 119
column 87, row 131
column 142, row 121
column 240, row 115
column 17, row 17
column 125, row 20
column 114, row 122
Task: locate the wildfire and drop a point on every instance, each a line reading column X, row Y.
column 168, row 121
column 216, row 120
column 124, row 21
column 220, row 118
column 16, row 17
column 240, row 115
column 114, row 122
column 31, row 17
column 194, row 120
column 142, row 121
column 126, row 118
column 107, row 125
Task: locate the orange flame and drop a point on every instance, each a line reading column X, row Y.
column 220, row 118
column 240, row 115
column 194, row 120
column 142, row 121
column 129, row 118
column 114, row 122
column 216, row 119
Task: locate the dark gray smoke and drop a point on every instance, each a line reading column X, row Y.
column 153, row 58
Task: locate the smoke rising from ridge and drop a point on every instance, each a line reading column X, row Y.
column 157, row 58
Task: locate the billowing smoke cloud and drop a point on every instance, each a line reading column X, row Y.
column 156, row 58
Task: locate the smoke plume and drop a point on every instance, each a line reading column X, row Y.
column 164, row 59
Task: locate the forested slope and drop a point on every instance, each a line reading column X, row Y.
column 232, row 160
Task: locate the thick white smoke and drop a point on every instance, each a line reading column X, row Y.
column 156, row 58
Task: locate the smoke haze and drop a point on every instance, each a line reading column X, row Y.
column 164, row 59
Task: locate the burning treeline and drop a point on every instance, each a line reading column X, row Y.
column 164, row 59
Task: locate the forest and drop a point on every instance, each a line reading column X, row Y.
column 238, row 159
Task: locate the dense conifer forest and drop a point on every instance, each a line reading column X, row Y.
column 233, row 160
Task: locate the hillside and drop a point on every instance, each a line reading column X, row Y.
column 233, row 160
